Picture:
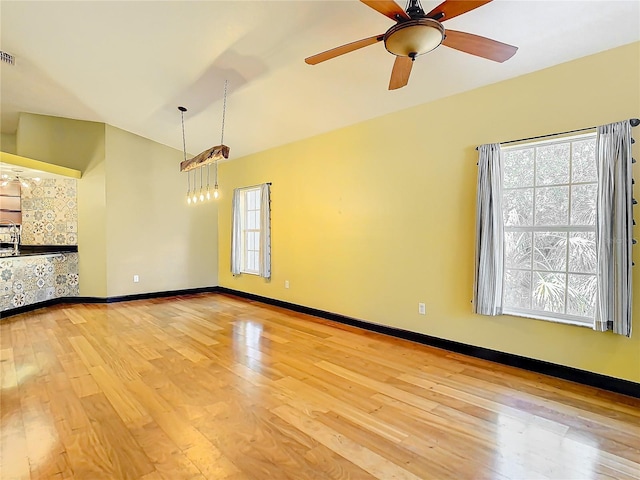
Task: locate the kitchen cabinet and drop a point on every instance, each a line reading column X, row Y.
column 10, row 211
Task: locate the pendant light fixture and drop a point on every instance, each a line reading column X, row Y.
column 206, row 158
column 16, row 177
column 216, row 192
column 184, row 150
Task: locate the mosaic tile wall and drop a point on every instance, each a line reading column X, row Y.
column 33, row 279
column 50, row 213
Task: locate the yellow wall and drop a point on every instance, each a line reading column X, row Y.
column 151, row 231
column 371, row 219
column 8, row 143
column 132, row 213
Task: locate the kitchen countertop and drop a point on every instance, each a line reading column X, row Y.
column 6, row 250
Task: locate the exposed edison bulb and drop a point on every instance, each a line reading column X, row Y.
column 189, row 198
column 216, row 194
column 195, row 198
column 208, row 194
column 201, row 196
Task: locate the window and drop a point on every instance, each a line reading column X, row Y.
column 250, row 208
column 251, row 232
column 549, row 212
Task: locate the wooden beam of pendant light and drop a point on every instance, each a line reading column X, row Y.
column 208, row 156
column 213, row 154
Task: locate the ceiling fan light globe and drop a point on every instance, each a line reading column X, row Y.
column 414, row 37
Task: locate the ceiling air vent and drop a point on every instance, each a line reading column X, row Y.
column 7, row 58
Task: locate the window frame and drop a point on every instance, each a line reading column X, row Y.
column 245, row 230
column 565, row 318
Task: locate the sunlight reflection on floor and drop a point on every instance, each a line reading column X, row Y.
column 537, row 447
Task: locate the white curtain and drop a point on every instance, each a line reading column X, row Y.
column 236, row 233
column 265, row 231
column 489, row 264
column 614, row 228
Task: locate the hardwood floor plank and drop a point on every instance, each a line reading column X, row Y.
column 355, row 415
column 211, row 386
column 378, row 386
column 14, row 453
column 127, row 406
column 89, row 356
column 193, row 333
column 128, row 460
column 369, row 461
column 180, row 346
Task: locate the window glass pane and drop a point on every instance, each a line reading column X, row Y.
column 517, row 206
column 254, row 261
column 251, row 200
column 517, row 289
column 548, row 292
column 251, row 220
column 518, row 168
column 583, row 204
column 582, row 252
column 552, row 206
column 253, row 240
column 550, row 251
column 550, row 265
column 582, row 295
column 517, row 249
column 552, row 164
column 584, row 168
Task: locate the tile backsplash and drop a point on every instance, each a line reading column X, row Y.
column 50, row 213
column 33, row 279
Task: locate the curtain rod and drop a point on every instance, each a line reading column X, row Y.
column 633, row 121
column 257, row 185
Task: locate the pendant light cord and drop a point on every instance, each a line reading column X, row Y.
column 224, row 112
column 184, row 146
column 184, row 142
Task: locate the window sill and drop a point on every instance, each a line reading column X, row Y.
column 533, row 316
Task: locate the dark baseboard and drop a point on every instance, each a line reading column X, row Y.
column 31, row 307
column 170, row 293
column 584, row 377
column 124, row 298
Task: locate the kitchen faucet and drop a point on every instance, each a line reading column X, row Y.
column 14, row 235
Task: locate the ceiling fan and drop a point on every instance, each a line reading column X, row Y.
column 416, row 33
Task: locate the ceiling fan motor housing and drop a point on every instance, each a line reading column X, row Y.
column 414, row 37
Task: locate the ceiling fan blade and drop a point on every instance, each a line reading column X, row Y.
column 452, row 8
column 480, row 46
column 389, row 8
column 349, row 47
column 400, row 73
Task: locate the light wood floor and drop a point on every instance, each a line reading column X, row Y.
column 216, row 387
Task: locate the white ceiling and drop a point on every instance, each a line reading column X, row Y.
column 130, row 64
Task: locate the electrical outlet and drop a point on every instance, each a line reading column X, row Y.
column 422, row 309
column 286, row 284
column 136, row 279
